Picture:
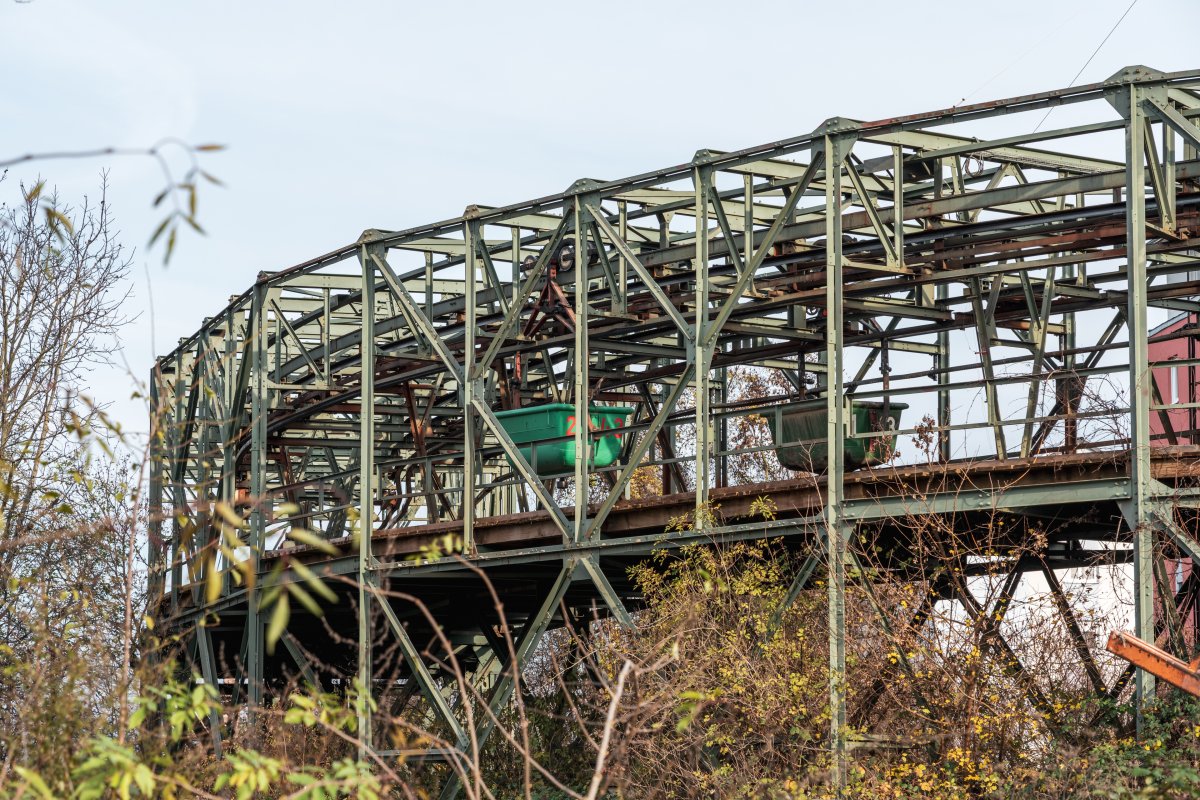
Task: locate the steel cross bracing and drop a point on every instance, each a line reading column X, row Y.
column 1000, row 285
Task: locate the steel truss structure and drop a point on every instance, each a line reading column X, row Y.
column 1006, row 281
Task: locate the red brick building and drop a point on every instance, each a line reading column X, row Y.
column 1178, row 339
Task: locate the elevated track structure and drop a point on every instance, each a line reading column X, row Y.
column 997, row 281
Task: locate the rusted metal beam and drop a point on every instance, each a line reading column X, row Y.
column 1143, row 655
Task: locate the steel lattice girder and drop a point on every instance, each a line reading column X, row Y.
column 1041, row 256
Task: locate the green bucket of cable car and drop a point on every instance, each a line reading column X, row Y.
column 800, row 430
column 532, row 427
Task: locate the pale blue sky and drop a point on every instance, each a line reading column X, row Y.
column 346, row 116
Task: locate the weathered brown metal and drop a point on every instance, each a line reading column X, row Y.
column 1177, row 672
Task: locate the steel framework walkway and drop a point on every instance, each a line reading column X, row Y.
column 999, row 285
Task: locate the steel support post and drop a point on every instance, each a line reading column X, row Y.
column 208, row 671
column 203, row 556
column 723, row 429
column 156, row 574
column 1065, row 386
column 837, row 147
column 1139, row 388
column 898, row 203
column 259, row 406
column 583, row 417
column 366, row 500
column 178, row 498
column 515, row 273
column 702, row 350
column 468, row 388
column 622, row 264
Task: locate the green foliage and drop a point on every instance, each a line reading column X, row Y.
column 250, row 773
column 109, row 766
column 168, row 720
column 181, row 708
column 56, row 221
column 179, row 196
column 731, row 703
column 1163, row 763
column 326, row 711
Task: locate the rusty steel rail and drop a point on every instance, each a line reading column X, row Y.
column 1175, row 671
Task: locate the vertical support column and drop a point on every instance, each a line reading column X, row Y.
column 943, row 380
column 469, row 388
column 1166, row 204
column 702, row 349
column 429, row 285
column 176, row 454
column 259, row 406
column 515, row 287
column 515, row 493
column 898, row 202
column 1065, row 386
column 1139, row 388
column 233, row 396
column 722, row 424
column 836, row 149
column 366, row 499
column 622, row 264
column 208, row 672
column 748, row 221
column 206, row 421
column 583, row 442
column 156, row 573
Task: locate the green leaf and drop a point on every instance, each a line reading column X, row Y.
column 170, row 245
column 35, row 782
column 269, row 595
column 279, row 621
column 311, row 539
column 55, row 218
column 228, row 514
column 212, row 583
column 297, row 591
column 162, row 226
column 314, row 583
column 36, row 192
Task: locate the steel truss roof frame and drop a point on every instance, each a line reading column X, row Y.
column 1022, row 273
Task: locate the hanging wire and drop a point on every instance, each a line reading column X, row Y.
column 1052, row 32
column 1050, row 110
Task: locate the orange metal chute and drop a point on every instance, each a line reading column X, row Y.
column 1157, row 662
